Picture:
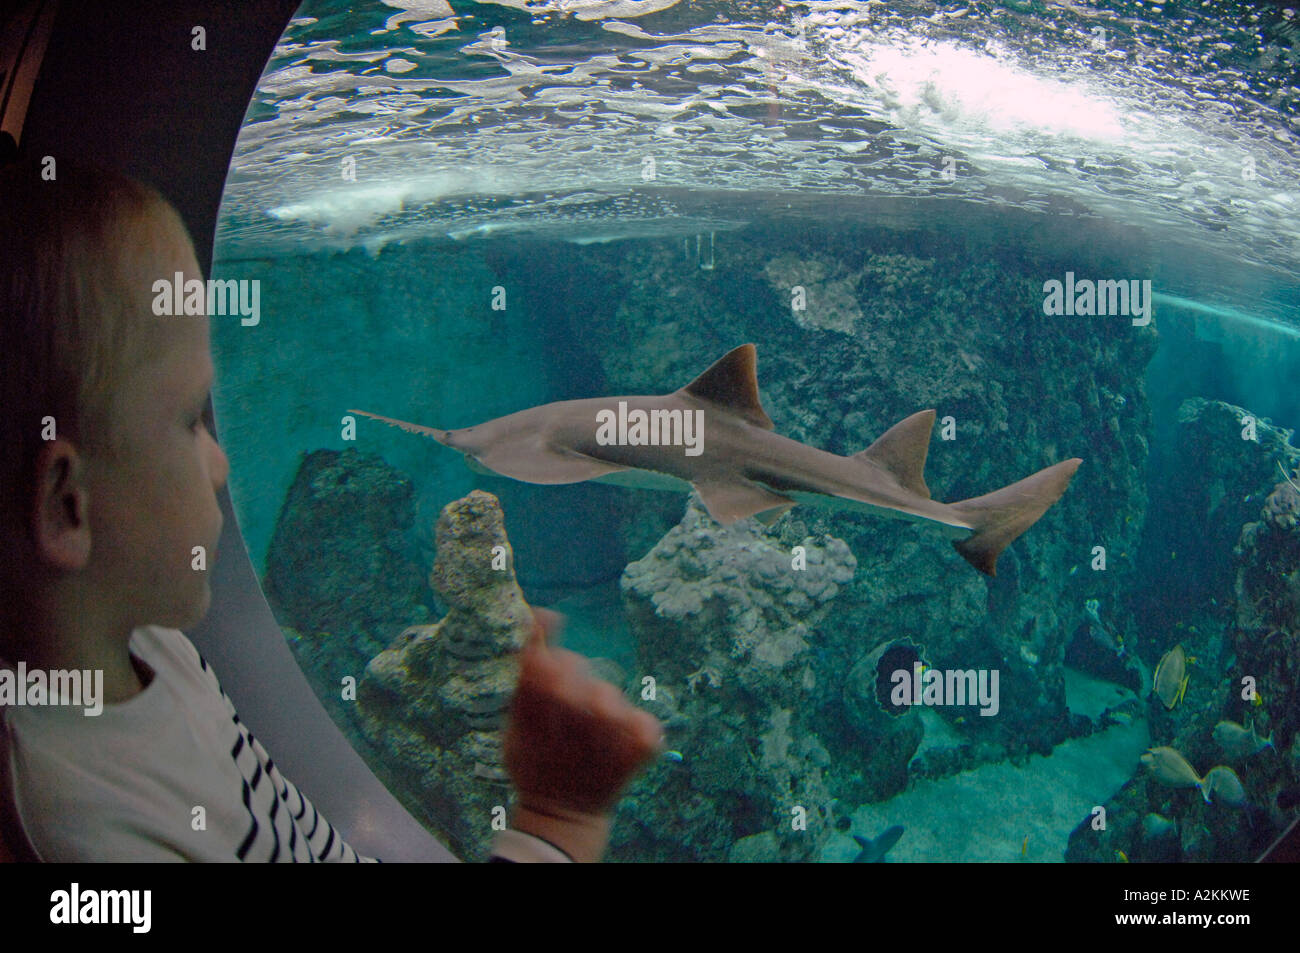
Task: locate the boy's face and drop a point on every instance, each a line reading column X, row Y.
column 155, row 499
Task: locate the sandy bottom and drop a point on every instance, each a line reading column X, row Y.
column 984, row 815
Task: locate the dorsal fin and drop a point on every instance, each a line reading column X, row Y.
column 901, row 451
column 732, row 383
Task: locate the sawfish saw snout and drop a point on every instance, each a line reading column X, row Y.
column 451, row 438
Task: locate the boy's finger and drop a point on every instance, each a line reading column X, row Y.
column 648, row 731
column 546, row 628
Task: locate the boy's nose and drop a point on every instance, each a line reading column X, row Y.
column 220, row 469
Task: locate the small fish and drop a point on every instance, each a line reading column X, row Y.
column 1101, row 633
column 1222, row 786
column 1121, row 857
column 874, row 851
column 1171, row 678
column 1102, row 636
column 673, row 756
column 1024, row 847
column 1169, row 767
column 1257, row 700
column 1238, row 741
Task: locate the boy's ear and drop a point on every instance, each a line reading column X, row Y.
column 60, row 523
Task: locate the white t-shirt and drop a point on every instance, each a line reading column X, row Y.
column 129, row 783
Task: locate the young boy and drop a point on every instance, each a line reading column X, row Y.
column 108, row 480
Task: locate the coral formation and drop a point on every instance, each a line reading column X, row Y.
column 433, row 703
column 725, row 623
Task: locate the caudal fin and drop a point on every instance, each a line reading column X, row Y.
column 999, row 517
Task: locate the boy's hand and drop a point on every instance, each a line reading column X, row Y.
column 572, row 744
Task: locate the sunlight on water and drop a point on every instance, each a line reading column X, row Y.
column 460, row 130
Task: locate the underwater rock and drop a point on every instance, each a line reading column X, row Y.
column 434, row 702
column 339, row 573
column 755, row 849
column 1282, row 508
column 1268, row 577
column 887, row 737
column 828, row 304
column 1221, row 480
column 725, row 626
column 738, row 590
column 1266, row 639
column 337, row 554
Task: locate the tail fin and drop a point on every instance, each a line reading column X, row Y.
column 999, row 517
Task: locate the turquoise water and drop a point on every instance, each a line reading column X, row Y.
column 458, row 211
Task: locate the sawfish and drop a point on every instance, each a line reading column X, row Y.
column 713, row 435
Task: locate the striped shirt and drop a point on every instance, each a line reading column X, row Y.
column 170, row 774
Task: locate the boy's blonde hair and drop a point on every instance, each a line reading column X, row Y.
column 77, row 262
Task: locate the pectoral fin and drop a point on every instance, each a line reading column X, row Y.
column 731, row 500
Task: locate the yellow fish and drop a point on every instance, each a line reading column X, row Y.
column 1169, row 767
column 1258, row 700
column 1171, row 678
column 1024, row 848
column 1121, row 857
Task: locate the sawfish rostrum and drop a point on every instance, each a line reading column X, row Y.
column 714, row 435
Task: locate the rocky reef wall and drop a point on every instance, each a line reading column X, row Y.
column 1239, row 514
